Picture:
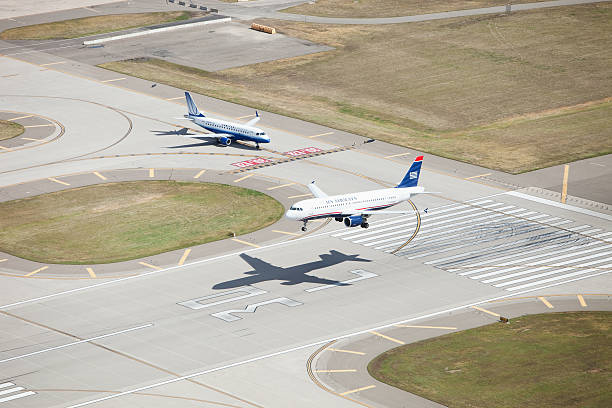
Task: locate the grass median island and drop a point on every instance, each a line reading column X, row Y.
column 513, row 93
column 121, row 221
column 81, row 27
column 547, row 360
column 10, row 129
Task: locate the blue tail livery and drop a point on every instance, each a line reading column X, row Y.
column 411, row 179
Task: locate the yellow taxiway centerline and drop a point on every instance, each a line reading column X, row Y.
column 184, row 257
column 199, row 174
column 245, row 243
column 20, row 117
column 300, row 195
column 581, row 300
column 52, row 63
column 37, row 126
column 99, row 175
column 357, row 390
column 113, row 80
column 426, row 327
column 346, row 351
column 319, row 135
column 37, row 270
column 387, row 337
column 6, row 148
column 565, row 177
column 31, row 139
column 58, row 181
column 480, row 175
column 91, row 272
column 157, row 268
column 175, row 98
column 397, row 155
column 285, row 232
column 486, row 311
column 245, row 116
column 281, row 186
column 546, row 302
column 243, row 177
column 351, row 370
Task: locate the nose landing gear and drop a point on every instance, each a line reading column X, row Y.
column 304, row 226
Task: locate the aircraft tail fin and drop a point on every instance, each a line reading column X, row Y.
column 411, row 179
column 193, row 109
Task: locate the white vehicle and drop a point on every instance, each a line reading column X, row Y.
column 355, row 208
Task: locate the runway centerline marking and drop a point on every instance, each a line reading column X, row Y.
column 91, row 273
column 58, row 181
column 37, row 270
column 581, row 300
column 397, row 155
column 76, row 342
column 346, row 351
column 546, row 302
column 387, row 337
column 320, row 134
column 20, row 117
column 184, row 257
column 199, row 174
column 99, row 175
column 245, row 243
column 478, row 176
column 243, row 178
column 426, row 327
column 347, row 370
column 287, row 233
column 157, row 268
column 357, row 390
column 52, row 63
column 113, row 80
column 486, row 311
column 151, row 173
column 281, row 186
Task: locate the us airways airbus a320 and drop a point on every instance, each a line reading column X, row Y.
column 355, row 208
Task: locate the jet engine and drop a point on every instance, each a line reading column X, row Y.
column 225, row 141
column 353, row 221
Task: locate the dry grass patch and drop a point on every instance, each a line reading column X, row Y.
column 120, row 221
column 494, row 90
column 10, row 129
column 81, row 27
column 539, row 361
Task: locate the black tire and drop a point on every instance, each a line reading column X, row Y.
column 304, row 229
column 365, row 225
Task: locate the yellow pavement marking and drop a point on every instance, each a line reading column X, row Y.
column 357, row 390
column 52, row 63
column 20, row 117
column 32, row 139
column 246, row 116
column 480, row 175
column 151, row 172
column 285, row 232
column 185, row 255
column 427, row 327
column 352, row 370
column 58, row 181
column 5, row 259
column 244, row 177
column 113, row 80
column 346, row 351
column 99, row 175
column 281, row 186
column 546, row 302
column 5, row 148
column 36, row 271
column 245, row 243
column 319, row 135
column 301, row 195
column 91, row 272
column 581, row 300
column 199, row 174
column 486, row 311
column 36, row 126
column 157, row 268
column 387, row 337
column 565, row 176
column 176, row 97
column 397, row 155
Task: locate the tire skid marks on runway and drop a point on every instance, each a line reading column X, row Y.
column 501, row 245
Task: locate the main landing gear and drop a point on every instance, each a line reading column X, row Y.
column 364, row 225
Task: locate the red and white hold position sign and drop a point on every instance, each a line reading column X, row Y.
column 252, row 162
column 301, row 152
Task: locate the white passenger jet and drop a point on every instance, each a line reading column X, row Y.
column 355, row 208
column 225, row 131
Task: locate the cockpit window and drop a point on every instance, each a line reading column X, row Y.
column 295, row 209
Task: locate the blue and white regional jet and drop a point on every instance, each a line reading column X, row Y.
column 355, row 208
column 227, row 131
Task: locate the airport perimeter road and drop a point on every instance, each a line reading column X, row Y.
column 235, row 327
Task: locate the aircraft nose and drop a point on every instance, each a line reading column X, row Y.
column 290, row 214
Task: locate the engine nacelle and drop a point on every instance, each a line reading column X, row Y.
column 353, row 221
column 225, row 141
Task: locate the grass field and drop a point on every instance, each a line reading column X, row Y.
column 120, row 221
column 391, row 8
column 513, row 93
column 10, row 129
column 81, row 27
column 539, row 361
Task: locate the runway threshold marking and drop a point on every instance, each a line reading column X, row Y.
column 486, row 311
column 157, row 268
column 397, row 155
column 285, row 232
column 151, row 173
column 91, row 272
column 357, row 390
column 426, row 327
column 581, row 300
column 184, row 257
column 37, row 270
column 245, row 243
column 52, row 63
column 478, row 176
column 113, row 80
column 58, row 181
column 20, row 117
column 199, row 174
column 320, row 134
column 37, row 126
column 281, row 186
column 348, row 370
column 546, row 302
column 243, row 178
column 300, row 195
column 99, row 175
column 387, row 337
column 346, row 351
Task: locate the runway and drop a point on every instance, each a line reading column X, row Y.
column 231, row 323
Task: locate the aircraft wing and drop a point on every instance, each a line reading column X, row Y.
column 254, row 120
column 316, row 191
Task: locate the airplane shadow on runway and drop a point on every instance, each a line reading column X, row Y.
column 294, row 275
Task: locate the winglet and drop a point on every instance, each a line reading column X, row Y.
column 411, row 179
